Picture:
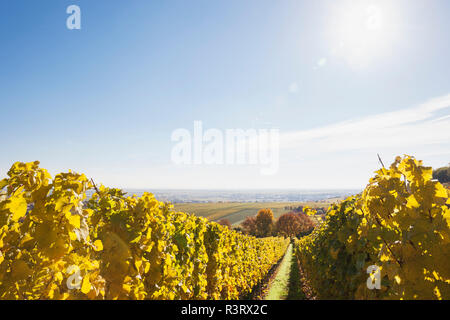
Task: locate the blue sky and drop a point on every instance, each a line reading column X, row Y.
column 105, row 99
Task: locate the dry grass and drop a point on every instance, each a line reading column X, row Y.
column 236, row 212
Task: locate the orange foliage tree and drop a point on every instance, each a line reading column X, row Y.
column 264, row 223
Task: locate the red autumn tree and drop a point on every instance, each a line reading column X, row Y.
column 307, row 225
column 249, row 226
column 293, row 225
column 225, row 223
column 288, row 225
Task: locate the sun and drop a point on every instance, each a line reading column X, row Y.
column 359, row 31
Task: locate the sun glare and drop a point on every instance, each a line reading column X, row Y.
column 360, row 31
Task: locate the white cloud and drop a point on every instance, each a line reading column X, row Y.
column 415, row 127
column 336, row 156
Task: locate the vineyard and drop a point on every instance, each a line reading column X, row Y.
column 400, row 224
column 56, row 243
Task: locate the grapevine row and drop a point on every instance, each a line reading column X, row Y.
column 55, row 243
column 400, row 223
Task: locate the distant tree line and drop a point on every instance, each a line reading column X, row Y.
column 442, row 174
column 320, row 210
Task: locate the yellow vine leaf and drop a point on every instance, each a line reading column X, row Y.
column 74, row 220
column 17, row 205
column 412, row 202
column 441, row 192
column 86, row 285
column 3, row 183
column 98, row 245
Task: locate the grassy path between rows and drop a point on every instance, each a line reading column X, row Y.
column 286, row 284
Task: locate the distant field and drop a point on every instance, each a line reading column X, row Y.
column 236, row 212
